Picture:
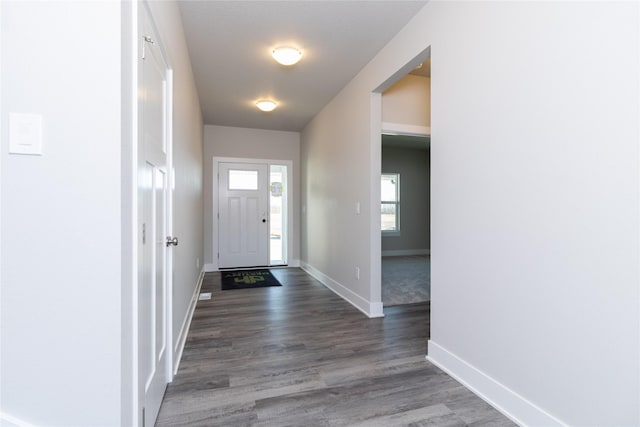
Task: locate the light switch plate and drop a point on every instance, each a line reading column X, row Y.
column 25, row 134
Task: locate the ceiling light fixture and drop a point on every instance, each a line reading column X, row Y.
column 286, row 55
column 266, row 105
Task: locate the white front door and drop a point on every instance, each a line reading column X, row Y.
column 243, row 225
column 153, row 211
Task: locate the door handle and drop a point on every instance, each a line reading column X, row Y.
column 172, row 241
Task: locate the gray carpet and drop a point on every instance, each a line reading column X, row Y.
column 406, row 279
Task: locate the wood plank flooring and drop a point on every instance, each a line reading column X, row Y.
column 299, row 355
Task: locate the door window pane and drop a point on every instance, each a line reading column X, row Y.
column 278, row 210
column 243, row 180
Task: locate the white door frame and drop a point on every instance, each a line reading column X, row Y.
column 214, row 205
column 129, row 286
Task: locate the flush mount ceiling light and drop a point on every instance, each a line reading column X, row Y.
column 266, row 105
column 286, row 55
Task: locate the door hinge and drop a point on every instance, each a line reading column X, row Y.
column 218, row 255
column 146, row 39
column 144, row 233
column 143, row 417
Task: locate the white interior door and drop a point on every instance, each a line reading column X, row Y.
column 153, row 195
column 243, row 210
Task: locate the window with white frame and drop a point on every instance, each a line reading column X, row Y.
column 390, row 207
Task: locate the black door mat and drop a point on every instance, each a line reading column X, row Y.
column 247, row 279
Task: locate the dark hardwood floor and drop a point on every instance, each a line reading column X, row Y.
column 299, row 355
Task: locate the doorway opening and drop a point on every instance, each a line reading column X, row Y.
column 400, row 144
column 405, row 220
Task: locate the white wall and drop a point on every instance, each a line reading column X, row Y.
column 534, row 232
column 225, row 141
column 336, row 178
column 61, row 213
column 67, row 335
column 188, row 167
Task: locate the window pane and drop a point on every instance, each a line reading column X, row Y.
column 277, row 202
column 389, row 188
column 243, row 180
column 388, row 219
column 390, row 197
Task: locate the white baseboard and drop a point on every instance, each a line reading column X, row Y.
column 186, row 323
column 375, row 310
column 508, row 402
column 7, row 420
column 407, row 252
column 370, row 309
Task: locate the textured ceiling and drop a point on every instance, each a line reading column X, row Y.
column 230, row 43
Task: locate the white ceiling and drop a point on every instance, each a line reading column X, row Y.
column 230, row 44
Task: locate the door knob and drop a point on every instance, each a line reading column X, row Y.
column 172, row 241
